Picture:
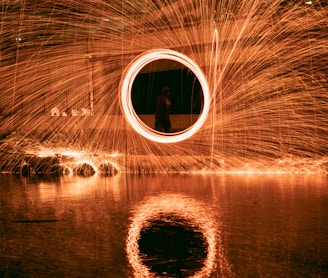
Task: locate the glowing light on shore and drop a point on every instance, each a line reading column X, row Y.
column 183, row 207
column 54, row 153
column 126, row 98
column 114, row 154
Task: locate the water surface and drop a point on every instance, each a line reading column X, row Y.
column 266, row 225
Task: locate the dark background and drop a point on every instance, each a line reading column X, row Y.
column 186, row 93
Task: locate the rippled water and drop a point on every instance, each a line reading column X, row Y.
column 258, row 226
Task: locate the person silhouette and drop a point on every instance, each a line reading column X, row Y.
column 162, row 114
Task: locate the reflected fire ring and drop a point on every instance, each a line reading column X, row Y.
column 126, row 100
column 182, row 206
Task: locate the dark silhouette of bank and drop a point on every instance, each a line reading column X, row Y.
column 162, row 114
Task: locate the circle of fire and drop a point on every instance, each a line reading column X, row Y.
column 182, row 206
column 126, row 100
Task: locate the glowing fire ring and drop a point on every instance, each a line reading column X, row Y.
column 183, row 207
column 126, row 100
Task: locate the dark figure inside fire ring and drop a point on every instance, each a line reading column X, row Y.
column 162, row 114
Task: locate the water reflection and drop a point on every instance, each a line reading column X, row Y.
column 71, row 227
column 173, row 235
column 226, row 225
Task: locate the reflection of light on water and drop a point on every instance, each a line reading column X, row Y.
column 183, row 207
column 72, row 187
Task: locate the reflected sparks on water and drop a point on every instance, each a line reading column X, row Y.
column 265, row 225
column 167, row 218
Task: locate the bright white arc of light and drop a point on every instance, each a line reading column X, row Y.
column 126, row 100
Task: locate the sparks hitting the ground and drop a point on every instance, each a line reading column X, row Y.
column 264, row 62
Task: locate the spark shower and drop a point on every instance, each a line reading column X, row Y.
column 265, row 64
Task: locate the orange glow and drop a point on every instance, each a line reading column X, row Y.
column 187, row 208
column 126, row 99
column 262, row 66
